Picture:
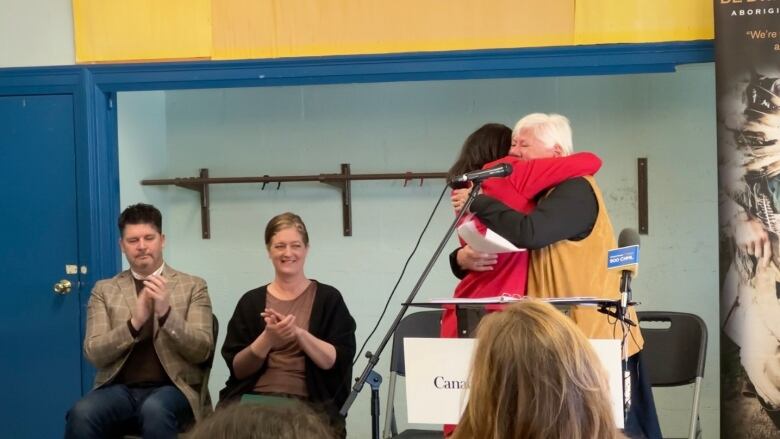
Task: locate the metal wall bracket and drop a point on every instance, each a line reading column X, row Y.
column 641, row 168
column 203, row 189
column 341, row 181
column 344, row 184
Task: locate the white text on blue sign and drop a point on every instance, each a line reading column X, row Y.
column 623, row 256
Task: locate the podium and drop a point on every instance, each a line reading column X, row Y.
column 429, row 360
column 437, row 371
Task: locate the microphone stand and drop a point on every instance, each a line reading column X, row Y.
column 625, row 299
column 373, row 358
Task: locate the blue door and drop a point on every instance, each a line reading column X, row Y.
column 40, row 342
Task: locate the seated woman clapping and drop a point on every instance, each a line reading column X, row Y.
column 292, row 338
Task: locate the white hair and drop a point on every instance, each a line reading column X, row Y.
column 551, row 129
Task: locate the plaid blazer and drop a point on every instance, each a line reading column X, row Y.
column 183, row 343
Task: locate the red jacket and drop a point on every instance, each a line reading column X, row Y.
column 519, row 190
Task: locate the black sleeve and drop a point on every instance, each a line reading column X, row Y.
column 339, row 330
column 456, row 270
column 243, row 328
column 331, row 322
column 568, row 212
column 134, row 332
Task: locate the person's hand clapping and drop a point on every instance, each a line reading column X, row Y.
column 157, row 288
column 143, row 309
column 279, row 329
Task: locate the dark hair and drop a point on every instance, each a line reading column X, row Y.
column 140, row 214
column 283, row 221
column 237, row 421
column 489, row 142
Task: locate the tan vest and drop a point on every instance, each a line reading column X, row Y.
column 579, row 268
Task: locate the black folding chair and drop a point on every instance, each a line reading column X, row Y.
column 205, row 397
column 424, row 324
column 675, row 355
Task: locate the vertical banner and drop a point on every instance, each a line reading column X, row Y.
column 747, row 57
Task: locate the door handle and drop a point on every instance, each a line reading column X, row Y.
column 63, row 287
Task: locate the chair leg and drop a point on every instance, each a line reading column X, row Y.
column 695, row 427
column 698, row 427
column 389, row 429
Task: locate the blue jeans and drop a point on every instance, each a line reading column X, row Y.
column 157, row 412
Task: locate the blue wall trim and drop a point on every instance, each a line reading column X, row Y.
column 98, row 193
column 94, row 90
column 503, row 63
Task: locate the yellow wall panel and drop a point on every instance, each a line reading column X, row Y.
column 128, row 30
column 643, row 21
column 286, row 28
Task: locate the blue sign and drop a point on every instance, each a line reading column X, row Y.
column 622, row 257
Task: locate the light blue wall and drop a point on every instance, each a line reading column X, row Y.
column 419, row 126
column 143, row 152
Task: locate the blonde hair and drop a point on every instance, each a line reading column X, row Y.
column 551, row 129
column 284, row 221
column 535, row 375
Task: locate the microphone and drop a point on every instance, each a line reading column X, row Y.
column 628, row 238
column 500, row 170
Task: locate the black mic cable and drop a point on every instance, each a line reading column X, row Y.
column 403, row 270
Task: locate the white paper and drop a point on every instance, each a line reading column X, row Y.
column 490, row 242
column 510, row 298
column 608, row 352
column 504, row 298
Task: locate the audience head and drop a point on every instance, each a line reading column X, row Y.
column 236, row 421
column 141, row 238
column 540, row 135
column 488, row 143
column 287, row 220
column 535, row 375
column 140, row 214
column 287, row 242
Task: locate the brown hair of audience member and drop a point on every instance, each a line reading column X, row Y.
column 140, row 213
column 535, row 375
column 283, row 221
column 248, row 421
column 488, row 143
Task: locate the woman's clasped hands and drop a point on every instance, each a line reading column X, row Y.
column 279, row 329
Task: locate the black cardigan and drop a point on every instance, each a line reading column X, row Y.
column 330, row 321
